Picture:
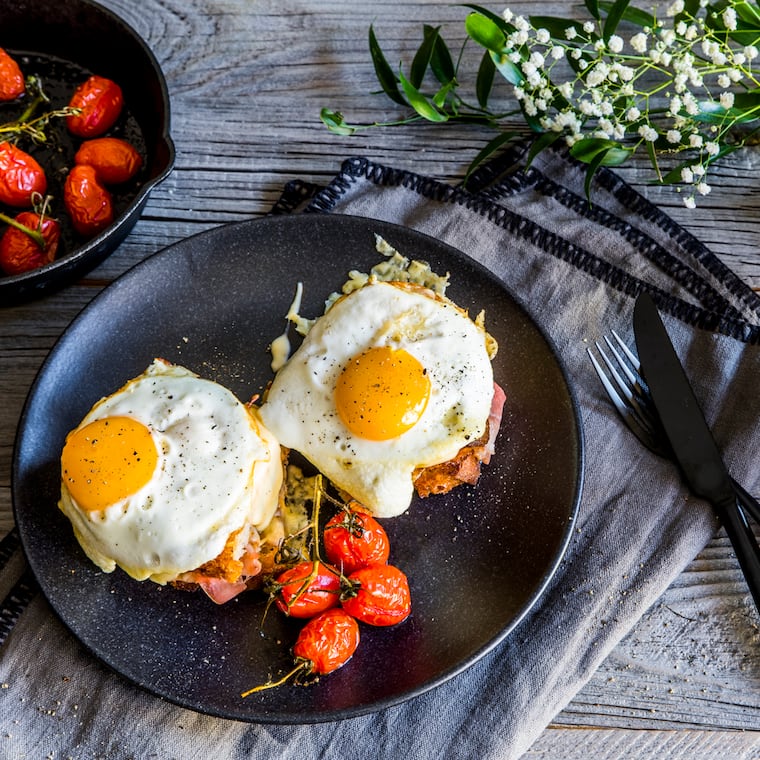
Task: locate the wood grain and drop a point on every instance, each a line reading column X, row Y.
column 247, row 80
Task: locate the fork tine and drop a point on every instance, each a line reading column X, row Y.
column 632, row 358
column 626, row 411
column 632, row 390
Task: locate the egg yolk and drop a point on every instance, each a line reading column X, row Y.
column 382, row 393
column 108, row 460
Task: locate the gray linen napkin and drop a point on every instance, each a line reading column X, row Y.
column 578, row 268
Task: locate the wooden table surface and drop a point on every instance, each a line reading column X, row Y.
column 247, row 80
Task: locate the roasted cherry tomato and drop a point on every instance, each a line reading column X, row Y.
column 87, row 202
column 353, row 539
column 378, row 595
column 100, row 101
column 19, row 252
column 20, row 176
column 114, row 160
column 11, row 79
column 307, row 589
column 327, row 641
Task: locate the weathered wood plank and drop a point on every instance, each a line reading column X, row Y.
column 247, row 81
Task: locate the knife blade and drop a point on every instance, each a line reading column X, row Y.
column 692, row 442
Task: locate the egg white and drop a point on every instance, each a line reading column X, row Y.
column 219, row 471
column 300, row 409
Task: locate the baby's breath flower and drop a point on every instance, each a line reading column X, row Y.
column 557, row 52
column 597, row 74
column 695, row 140
column 724, row 81
column 729, row 19
column 703, row 188
column 507, row 15
column 675, row 8
column 727, row 100
column 543, row 36
column 751, row 52
column 588, row 27
column 571, row 33
column 521, row 23
column 633, row 114
column 699, row 170
column 576, row 54
column 639, row 42
column 647, row 132
column 673, row 136
column 687, row 175
column 615, row 43
column 566, row 89
column 712, row 148
column 689, row 202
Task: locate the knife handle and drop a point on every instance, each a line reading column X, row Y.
column 744, row 543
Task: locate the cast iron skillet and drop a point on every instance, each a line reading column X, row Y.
column 65, row 42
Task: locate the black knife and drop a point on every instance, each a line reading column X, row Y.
column 692, row 442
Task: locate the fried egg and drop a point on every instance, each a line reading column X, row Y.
column 393, row 377
column 160, row 475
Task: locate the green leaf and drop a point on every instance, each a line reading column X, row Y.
column 690, row 10
column 748, row 12
column 541, row 143
column 632, row 15
column 593, row 167
column 439, row 99
column 652, row 153
column 614, row 16
column 746, row 108
column 592, row 6
column 441, row 62
column 423, row 55
column 485, row 32
column 491, row 147
column 484, row 82
column 334, row 121
column 419, row 102
column 590, row 148
column 383, row 71
column 507, row 69
column 491, row 16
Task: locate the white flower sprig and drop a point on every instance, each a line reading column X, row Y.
column 684, row 87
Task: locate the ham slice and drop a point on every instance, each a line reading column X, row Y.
column 465, row 466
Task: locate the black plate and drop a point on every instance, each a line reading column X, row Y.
column 477, row 558
column 64, row 43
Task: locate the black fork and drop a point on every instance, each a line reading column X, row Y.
column 621, row 378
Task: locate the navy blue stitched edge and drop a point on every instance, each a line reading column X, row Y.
column 354, row 168
column 16, row 602
column 506, row 162
column 679, row 271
